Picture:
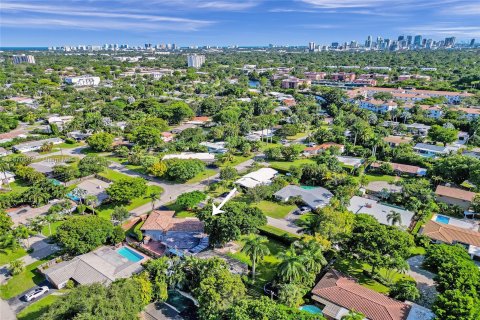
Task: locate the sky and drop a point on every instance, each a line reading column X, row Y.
column 231, row 22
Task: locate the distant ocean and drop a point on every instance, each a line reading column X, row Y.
column 24, row 48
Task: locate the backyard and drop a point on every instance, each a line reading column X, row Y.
column 286, row 165
column 275, row 209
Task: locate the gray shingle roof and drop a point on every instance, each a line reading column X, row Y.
column 314, row 198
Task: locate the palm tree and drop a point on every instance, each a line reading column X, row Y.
column 394, row 217
column 255, row 248
column 22, row 232
column 292, row 267
column 312, row 251
column 91, row 201
column 16, row 266
column 154, row 196
column 310, row 226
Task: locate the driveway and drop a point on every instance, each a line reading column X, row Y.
column 285, row 225
column 424, row 279
column 17, row 303
column 6, row 312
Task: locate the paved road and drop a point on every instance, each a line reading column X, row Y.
column 283, row 224
column 6, row 313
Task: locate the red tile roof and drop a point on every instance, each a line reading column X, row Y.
column 455, row 193
column 347, row 293
column 448, row 233
column 399, row 167
column 165, row 221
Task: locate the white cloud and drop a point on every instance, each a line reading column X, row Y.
column 465, row 9
column 443, row 30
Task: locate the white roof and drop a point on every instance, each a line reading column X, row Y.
column 6, row 175
column 261, row 176
column 378, row 210
column 204, row 156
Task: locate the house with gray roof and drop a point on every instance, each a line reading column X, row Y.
column 313, row 197
column 35, row 145
column 104, row 265
column 430, row 150
column 379, row 210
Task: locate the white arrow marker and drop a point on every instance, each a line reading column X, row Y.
column 216, row 210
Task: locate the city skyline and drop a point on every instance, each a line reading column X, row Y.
column 243, row 23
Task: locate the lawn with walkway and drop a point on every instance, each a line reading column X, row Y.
column 274, row 209
column 20, row 283
column 202, row 176
column 7, row 255
column 36, row 309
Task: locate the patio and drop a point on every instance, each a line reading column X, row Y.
column 156, row 247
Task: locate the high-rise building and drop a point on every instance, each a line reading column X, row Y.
column 450, row 42
column 311, row 46
column 401, row 38
column 21, row 58
column 368, row 42
column 195, row 61
column 472, row 43
column 417, row 41
column 409, row 40
column 334, row 45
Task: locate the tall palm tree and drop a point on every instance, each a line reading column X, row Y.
column 310, row 226
column 154, row 196
column 394, row 217
column 292, row 267
column 255, row 248
column 91, row 201
column 313, row 254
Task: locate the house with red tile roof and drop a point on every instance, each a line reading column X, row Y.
column 454, row 196
column 400, row 168
column 337, row 294
column 311, row 151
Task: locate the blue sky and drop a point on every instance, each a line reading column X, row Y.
column 230, row 22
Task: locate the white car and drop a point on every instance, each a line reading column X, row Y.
column 34, row 294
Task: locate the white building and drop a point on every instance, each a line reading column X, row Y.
column 263, row 176
column 195, row 61
column 35, row 145
column 6, row 177
column 21, row 58
column 60, row 121
column 378, row 106
column 203, row 156
column 83, row 81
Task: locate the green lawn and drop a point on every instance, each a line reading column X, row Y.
column 356, row 269
column 417, row 251
column 113, row 175
column 23, row 281
column 378, row 177
column 274, row 209
column 53, row 227
column 235, row 161
column 298, row 136
column 36, row 309
column 285, row 165
column 179, row 213
column 105, row 211
column 202, row 176
column 16, row 186
column 69, row 145
column 267, row 268
column 7, row 255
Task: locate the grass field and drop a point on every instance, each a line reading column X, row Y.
column 7, row 255
column 105, row 211
column 23, row 281
column 202, row 176
column 375, row 177
column 285, row 165
column 113, row 175
column 235, row 161
column 274, row 209
column 54, row 225
column 36, row 309
column 298, row 136
column 179, row 213
column 16, row 186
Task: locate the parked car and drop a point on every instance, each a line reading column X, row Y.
column 311, row 144
column 303, row 210
column 34, row 294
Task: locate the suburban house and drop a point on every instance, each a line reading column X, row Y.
column 35, row 145
column 175, row 233
column 60, row 121
column 435, row 112
column 45, row 166
column 260, row 177
column 313, row 197
column 104, row 265
column 354, row 162
column 379, row 210
column 430, row 150
column 312, row 151
column 395, row 141
column 337, row 294
column 167, row 136
column 455, row 196
column 378, row 106
column 79, row 135
column 6, row 177
column 203, row 156
column 377, row 188
column 443, row 229
column 94, row 187
column 215, row 147
column 400, row 169
column 199, row 120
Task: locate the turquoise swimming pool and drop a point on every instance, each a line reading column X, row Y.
column 129, row 254
column 308, row 187
column 442, row 219
column 310, row 308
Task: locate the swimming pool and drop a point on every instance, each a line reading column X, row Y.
column 310, row 308
column 129, row 254
column 308, row 187
column 442, row 219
